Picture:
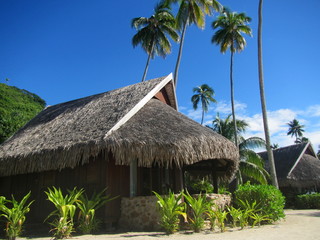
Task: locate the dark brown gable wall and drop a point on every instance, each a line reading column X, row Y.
column 163, row 97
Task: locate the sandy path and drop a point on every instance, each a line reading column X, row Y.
column 298, row 225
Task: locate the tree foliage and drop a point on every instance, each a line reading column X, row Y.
column 295, row 129
column 17, row 107
column 153, row 32
column 203, row 94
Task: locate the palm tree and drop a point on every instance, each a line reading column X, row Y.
column 230, row 26
column 295, row 129
column 153, row 33
column 191, row 12
column 263, row 101
column 203, row 94
column 251, row 164
column 274, row 146
column 225, row 127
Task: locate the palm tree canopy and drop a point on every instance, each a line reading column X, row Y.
column 251, row 164
column 153, row 32
column 231, row 26
column 194, row 11
column 295, row 129
column 225, row 127
column 203, row 94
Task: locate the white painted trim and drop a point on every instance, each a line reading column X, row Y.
column 140, row 104
column 300, row 156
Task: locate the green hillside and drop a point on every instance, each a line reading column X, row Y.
column 17, row 107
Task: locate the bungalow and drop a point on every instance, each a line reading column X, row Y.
column 297, row 168
column 131, row 140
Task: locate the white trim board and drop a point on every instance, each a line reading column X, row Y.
column 140, row 104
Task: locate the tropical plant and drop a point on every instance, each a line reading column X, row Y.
column 308, row 201
column 235, row 214
column 225, row 127
column 15, row 215
column 17, row 107
column 198, row 185
column 274, row 146
column 88, row 206
column 191, row 12
column 251, row 164
column 221, row 216
column 170, row 208
column 263, row 100
column 258, row 218
column 65, row 210
column 246, row 210
column 198, row 206
column 212, row 215
column 230, row 27
column 153, row 33
column 302, row 140
column 268, row 198
column 295, row 129
column 203, row 94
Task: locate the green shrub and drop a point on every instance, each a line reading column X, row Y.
column 308, row 201
column 201, row 186
column 269, row 199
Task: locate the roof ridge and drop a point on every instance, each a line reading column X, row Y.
column 140, row 104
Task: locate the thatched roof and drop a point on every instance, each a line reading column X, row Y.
column 296, row 165
column 127, row 122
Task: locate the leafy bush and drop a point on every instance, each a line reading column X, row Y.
column 15, row 216
column 269, row 199
column 170, row 208
column 308, row 201
column 201, row 186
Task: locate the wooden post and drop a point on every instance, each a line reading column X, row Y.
column 215, row 180
column 133, row 177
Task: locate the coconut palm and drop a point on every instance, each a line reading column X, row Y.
column 251, row 164
column 263, row 101
column 225, row 127
column 295, row 129
column 301, row 140
column 153, row 33
column 231, row 26
column 191, row 12
column 203, row 94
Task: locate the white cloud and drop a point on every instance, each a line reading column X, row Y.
column 277, row 120
column 313, row 111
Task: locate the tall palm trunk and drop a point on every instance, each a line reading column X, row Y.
column 147, row 65
column 232, row 100
column 202, row 116
column 263, row 101
column 176, row 71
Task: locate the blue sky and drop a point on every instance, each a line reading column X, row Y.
column 63, row 50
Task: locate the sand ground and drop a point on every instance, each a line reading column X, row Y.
column 298, row 225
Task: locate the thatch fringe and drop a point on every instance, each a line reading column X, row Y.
column 70, row 134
